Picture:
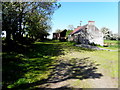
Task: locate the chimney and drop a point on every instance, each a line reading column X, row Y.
column 91, row 22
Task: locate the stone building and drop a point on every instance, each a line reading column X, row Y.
column 87, row 34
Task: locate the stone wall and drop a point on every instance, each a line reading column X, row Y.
column 90, row 34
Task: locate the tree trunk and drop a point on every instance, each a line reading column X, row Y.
column 8, row 35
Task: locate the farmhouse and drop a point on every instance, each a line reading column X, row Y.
column 87, row 34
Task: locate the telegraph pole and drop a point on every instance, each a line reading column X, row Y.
column 80, row 23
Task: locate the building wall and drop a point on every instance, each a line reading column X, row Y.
column 90, row 35
column 95, row 36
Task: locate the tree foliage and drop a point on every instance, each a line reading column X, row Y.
column 58, row 31
column 109, row 35
column 106, row 32
column 27, row 18
column 68, row 32
column 70, row 27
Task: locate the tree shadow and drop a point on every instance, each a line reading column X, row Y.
column 39, row 50
column 74, row 69
column 20, row 60
column 36, row 59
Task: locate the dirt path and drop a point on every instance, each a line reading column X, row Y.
column 74, row 70
column 104, row 82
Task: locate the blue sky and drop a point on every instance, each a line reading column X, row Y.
column 105, row 14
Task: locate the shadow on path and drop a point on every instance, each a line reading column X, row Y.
column 74, row 69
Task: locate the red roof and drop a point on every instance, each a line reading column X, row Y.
column 76, row 29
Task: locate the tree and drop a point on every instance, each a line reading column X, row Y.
column 31, row 17
column 106, row 32
column 115, row 37
column 70, row 27
column 68, row 32
column 58, row 31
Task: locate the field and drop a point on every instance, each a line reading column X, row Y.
column 112, row 44
column 55, row 64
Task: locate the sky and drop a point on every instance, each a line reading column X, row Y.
column 105, row 14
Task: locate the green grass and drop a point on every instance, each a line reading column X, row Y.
column 108, row 61
column 111, row 41
column 112, row 44
column 27, row 66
